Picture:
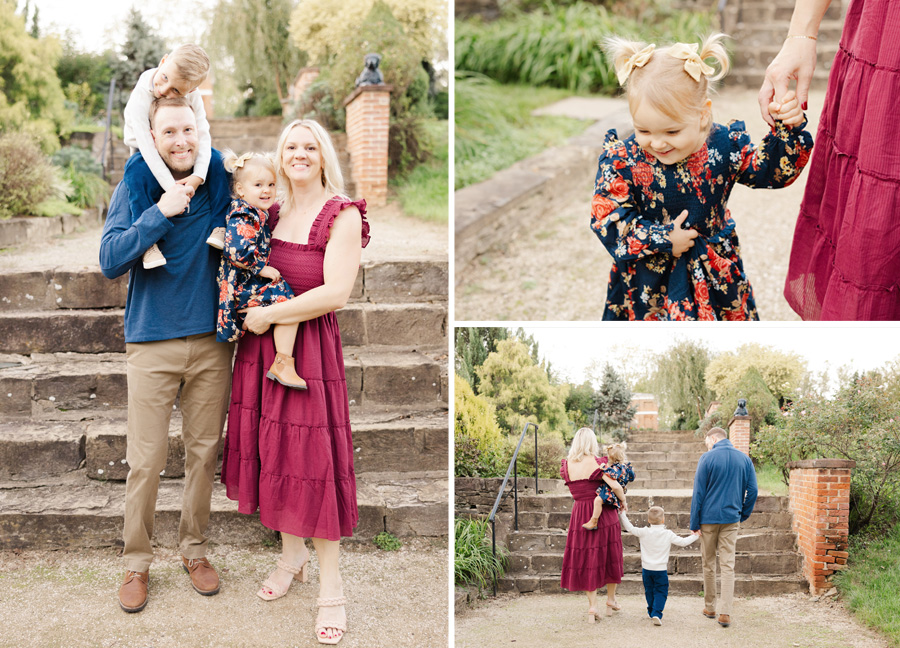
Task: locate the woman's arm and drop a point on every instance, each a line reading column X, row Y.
column 797, row 58
column 342, row 255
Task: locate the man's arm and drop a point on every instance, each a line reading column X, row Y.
column 700, row 478
column 750, row 490
column 125, row 238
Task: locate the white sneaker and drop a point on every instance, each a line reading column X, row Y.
column 217, row 238
column 153, row 258
column 656, row 621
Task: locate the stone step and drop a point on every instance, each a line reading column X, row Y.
column 749, row 540
column 663, row 456
column 639, row 502
column 652, row 436
column 73, row 511
column 662, row 484
column 639, row 447
column 690, row 584
column 380, row 282
column 678, row 522
column 268, row 126
column 684, row 563
column 642, row 468
column 96, row 442
column 53, row 382
column 245, row 143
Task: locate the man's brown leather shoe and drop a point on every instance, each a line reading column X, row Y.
column 133, row 593
column 724, row 620
column 203, row 576
column 708, row 614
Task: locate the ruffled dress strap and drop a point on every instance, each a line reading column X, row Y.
column 564, row 470
column 321, row 228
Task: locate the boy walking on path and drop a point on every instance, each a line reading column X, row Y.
column 724, row 495
column 656, row 541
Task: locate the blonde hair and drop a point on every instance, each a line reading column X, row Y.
column 237, row 165
column 616, row 453
column 332, row 177
column 191, row 62
column 663, row 81
column 717, row 433
column 584, row 444
column 656, row 515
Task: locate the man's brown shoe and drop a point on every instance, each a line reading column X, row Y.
column 708, row 614
column 203, row 577
column 133, row 593
column 724, row 620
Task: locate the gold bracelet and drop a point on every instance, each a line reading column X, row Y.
column 801, row 36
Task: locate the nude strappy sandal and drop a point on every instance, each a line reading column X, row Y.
column 270, row 591
column 322, row 628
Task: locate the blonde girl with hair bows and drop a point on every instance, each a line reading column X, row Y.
column 616, row 476
column 660, row 195
column 245, row 278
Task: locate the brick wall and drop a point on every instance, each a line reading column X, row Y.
column 820, row 502
column 739, row 433
column 368, row 125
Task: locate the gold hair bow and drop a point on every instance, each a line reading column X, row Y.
column 638, row 60
column 239, row 163
column 693, row 64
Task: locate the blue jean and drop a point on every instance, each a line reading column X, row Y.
column 656, row 589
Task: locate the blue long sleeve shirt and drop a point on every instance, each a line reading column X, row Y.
column 724, row 487
column 181, row 297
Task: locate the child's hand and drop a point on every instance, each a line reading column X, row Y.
column 175, row 200
column 698, row 532
column 269, row 272
column 788, row 111
column 603, row 466
column 682, row 239
column 191, row 181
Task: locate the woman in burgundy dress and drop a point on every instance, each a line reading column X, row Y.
column 593, row 558
column 845, row 258
column 289, row 453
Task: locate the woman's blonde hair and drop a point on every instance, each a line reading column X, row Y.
column 237, row 165
column 616, row 453
column 332, row 178
column 584, row 444
column 663, row 80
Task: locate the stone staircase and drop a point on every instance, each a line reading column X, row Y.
column 767, row 560
column 63, row 400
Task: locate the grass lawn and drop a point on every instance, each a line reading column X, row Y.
column 495, row 127
column 768, row 477
column 424, row 192
column 871, row 585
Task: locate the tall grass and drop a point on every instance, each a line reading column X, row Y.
column 561, row 46
column 473, row 561
column 423, row 192
column 768, row 477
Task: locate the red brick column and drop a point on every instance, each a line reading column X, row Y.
column 820, row 502
column 368, row 124
column 739, row 433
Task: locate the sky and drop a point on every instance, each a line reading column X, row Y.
column 572, row 347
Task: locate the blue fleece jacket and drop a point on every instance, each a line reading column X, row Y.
column 181, row 297
column 724, row 487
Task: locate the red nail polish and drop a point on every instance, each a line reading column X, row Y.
column 804, row 105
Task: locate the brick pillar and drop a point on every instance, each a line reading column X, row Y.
column 820, row 502
column 739, row 433
column 368, row 125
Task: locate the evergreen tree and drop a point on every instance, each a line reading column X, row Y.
column 35, row 27
column 473, row 345
column 143, row 49
column 613, row 404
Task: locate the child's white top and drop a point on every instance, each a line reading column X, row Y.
column 137, row 131
column 656, row 540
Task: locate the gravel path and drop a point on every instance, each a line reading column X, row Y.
column 553, row 268
column 539, row 621
column 60, row 599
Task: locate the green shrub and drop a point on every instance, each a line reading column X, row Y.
column 84, row 175
column 551, row 451
column 26, row 175
column 478, row 442
column 319, row 103
column 473, row 561
column 387, row 541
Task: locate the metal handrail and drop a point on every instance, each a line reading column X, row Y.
column 513, row 468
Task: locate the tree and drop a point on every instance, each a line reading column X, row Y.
column 613, row 404
column 31, row 98
column 783, row 373
column 473, row 345
column 143, row 49
column 478, row 442
column 265, row 59
column 520, row 390
column 580, row 404
column 678, row 380
column 85, row 77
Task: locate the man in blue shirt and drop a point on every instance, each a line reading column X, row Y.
column 724, row 495
column 170, row 325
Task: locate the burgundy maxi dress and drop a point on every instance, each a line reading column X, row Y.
column 289, row 453
column 845, row 259
column 592, row 558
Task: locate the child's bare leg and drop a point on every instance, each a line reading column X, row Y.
column 282, row 370
column 595, row 516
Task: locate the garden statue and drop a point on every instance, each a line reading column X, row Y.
column 370, row 75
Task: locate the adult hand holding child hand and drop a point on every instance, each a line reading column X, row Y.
column 682, row 239
column 788, row 111
column 268, row 272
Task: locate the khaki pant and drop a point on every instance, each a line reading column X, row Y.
column 156, row 370
column 721, row 539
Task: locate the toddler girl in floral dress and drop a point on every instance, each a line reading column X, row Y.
column 660, row 196
column 244, row 278
column 616, row 476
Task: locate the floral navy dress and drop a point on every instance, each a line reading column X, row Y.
column 622, row 473
column 247, row 239
column 637, row 197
